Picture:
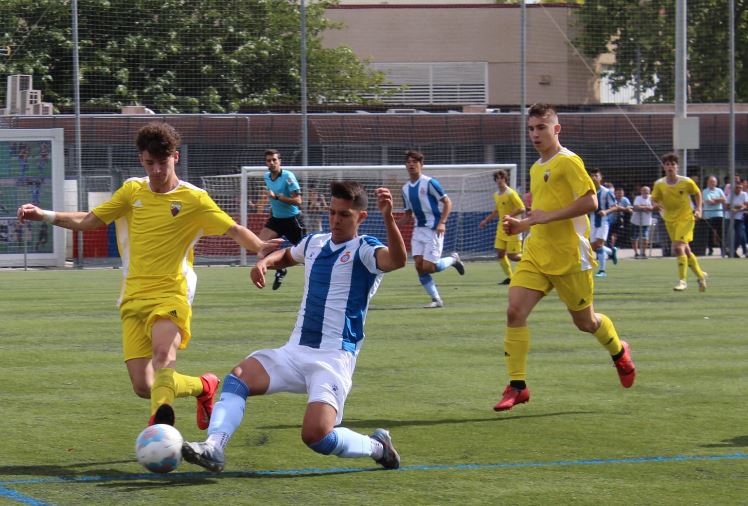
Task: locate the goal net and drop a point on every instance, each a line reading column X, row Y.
column 470, row 188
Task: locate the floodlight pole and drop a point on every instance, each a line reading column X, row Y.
column 523, row 96
column 731, row 136
column 77, row 99
column 681, row 95
column 304, row 113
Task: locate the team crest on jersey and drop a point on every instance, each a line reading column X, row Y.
column 546, row 175
column 175, row 208
column 345, row 257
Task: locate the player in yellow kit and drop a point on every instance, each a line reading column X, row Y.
column 672, row 195
column 506, row 202
column 557, row 254
column 158, row 219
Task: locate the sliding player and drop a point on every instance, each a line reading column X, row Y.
column 342, row 271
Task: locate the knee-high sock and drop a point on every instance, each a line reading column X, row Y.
column 228, row 412
column 693, row 263
column 444, row 262
column 506, row 266
column 429, row 285
column 516, row 347
column 602, row 258
column 682, row 266
column 607, row 336
column 345, row 444
column 168, row 384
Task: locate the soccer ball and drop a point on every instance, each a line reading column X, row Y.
column 159, row 448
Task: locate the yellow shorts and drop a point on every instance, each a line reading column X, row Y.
column 513, row 245
column 137, row 321
column 680, row 230
column 575, row 289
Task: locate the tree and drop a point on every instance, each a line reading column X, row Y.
column 180, row 55
column 641, row 35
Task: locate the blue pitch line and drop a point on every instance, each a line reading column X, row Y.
column 15, row 496
column 313, row 471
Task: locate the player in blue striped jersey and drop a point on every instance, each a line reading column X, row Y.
column 428, row 205
column 342, row 271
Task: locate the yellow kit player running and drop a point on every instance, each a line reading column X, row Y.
column 557, row 254
column 158, row 219
column 507, row 203
column 672, row 195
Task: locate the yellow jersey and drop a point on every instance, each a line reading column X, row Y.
column 562, row 246
column 506, row 203
column 675, row 198
column 156, row 234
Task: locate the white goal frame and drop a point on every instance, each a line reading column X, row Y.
column 350, row 172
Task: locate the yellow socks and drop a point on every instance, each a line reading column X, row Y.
column 506, row 266
column 516, row 347
column 693, row 263
column 682, row 266
column 168, row 384
column 607, row 336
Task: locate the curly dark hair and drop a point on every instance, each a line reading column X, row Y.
column 159, row 139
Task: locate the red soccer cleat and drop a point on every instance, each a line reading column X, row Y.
column 625, row 367
column 512, row 397
column 205, row 399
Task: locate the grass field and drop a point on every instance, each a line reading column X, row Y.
column 679, row 436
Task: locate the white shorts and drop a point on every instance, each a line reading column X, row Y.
column 601, row 232
column 326, row 375
column 426, row 243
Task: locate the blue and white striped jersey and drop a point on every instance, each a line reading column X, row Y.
column 340, row 281
column 423, row 198
column 605, row 200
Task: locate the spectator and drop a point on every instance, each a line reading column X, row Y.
column 736, row 203
column 641, row 220
column 714, row 200
column 620, row 218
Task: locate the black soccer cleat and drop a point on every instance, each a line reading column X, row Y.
column 279, row 275
column 390, row 458
column 164, row 414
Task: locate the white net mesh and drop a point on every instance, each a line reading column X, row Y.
column 470, row 187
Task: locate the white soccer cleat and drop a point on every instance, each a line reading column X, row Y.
column 702, row 282
column 682, row 285
column 458, row 265
column 434, row 304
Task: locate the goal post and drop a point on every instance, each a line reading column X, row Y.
column 470, row 187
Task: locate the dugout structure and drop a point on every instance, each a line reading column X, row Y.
column 470, row 187
column 32, row 169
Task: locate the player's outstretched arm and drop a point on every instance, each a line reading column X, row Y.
column 276, row 260
column 394, row 255
column 249, row 241
column 75, row 220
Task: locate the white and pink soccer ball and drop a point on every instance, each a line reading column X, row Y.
column 159, row 448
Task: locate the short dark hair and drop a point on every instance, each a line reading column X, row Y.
column 350, row 190
column 541, row 110
column 271, row 152
column 157, row 138
column 500, row 173
column 415, row 155
column 670, row 157
column 594, row 171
